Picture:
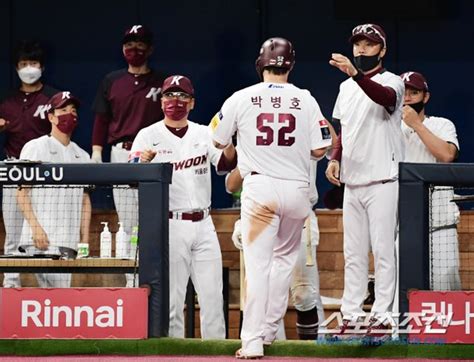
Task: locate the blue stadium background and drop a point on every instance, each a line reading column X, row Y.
column 215, row 43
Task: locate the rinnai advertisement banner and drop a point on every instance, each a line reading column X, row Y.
column 74, row 313
column 441, row 317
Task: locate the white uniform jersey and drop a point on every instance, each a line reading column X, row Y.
column 443, row 210
column 58, row 209
column 191, row 157
column 372, row 143
column 415, row 149
column 277, row 127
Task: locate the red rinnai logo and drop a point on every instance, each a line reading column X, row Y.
column 74, row 313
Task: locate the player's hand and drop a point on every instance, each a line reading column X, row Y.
column 147, row 156
column 40, row 238
column 3, row 124
column 410, row 117
column 343, row 63
column 237, row 235
column 97, row 156
column 332, row 172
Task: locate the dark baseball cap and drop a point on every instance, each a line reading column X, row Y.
column 62, row 99
column 138, row 32
column 415, row 80
column 178, row 83
column 371, row 32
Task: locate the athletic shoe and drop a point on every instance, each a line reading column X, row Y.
column 378, row 332
column 240, row 354
column 349, row 331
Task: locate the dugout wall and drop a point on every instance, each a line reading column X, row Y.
column 152, row 181
column 414, row 215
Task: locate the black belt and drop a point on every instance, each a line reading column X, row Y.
column 126, row 145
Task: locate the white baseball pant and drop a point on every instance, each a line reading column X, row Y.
column 195, row 252
column 370, row 220
column 273, row 213
column 13, row 221
column 444, row 260
column 305, row 281
column 126, row 203
column 53, row 280
column 305, row 293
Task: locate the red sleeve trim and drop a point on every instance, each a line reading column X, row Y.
column 226, row 165
column 101, row 127
column 385, row 96
column 336, row 153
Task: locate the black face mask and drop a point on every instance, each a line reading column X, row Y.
column 365, row 62
column 418, row 107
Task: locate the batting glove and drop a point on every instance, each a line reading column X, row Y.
column 237, row 235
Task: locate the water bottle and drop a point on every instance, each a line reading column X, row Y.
column 122, row 244
column 105, row 242
column 134, row 242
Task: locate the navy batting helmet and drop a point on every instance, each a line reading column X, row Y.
column 275, row 52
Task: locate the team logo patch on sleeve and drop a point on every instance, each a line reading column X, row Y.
column 325, row 133
column 134, row 157
column 215, row 121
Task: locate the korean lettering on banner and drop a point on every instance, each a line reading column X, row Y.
column 444, row 316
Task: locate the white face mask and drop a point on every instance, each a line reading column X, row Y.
column 29, row 74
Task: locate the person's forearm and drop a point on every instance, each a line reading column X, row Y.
column 440, row 149
column 100, row 130
column 336, row 153
column 86, row 218
column 24, row 203
column 234, row 181
column 228, row 160
column 384, row 96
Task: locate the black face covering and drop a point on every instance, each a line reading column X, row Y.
column 418, row 107
column 365, row 62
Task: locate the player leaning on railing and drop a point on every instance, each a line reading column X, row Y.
column 430, row 139
column 55, row 216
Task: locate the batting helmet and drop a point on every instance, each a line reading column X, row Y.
column 275, row 52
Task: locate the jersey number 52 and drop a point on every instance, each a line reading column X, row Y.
column 265, row 124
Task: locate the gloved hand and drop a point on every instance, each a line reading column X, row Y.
column 237, row 235
column 96, row 156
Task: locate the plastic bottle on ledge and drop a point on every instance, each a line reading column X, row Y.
column 134, row 242
column 105, row 241
column 122, row 246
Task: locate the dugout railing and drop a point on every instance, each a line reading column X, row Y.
column 414, row 215
column 152, row 182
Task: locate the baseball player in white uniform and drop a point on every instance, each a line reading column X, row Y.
column 278, row 127
column 432, row 139
column 369, row 107
column 305, row 280
column 194, row 247
column 56, row 216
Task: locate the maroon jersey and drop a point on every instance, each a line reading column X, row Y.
column 27, row 116
column 124, row 104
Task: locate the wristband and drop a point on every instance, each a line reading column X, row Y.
column 358, row 76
